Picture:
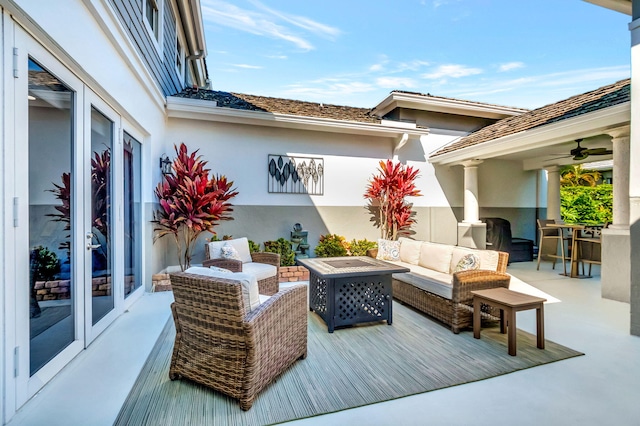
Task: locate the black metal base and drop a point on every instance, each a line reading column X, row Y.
column 351, row 300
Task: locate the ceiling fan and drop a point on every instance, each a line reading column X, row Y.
column 580, row 153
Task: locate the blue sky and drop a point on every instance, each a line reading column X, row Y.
column 355, row 52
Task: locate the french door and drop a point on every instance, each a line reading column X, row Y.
column 77, row 216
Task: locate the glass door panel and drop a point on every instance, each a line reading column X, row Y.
column 132, row 215
column 99, row 238
column 51, row 218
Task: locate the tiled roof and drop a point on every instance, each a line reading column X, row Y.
column 280, row 106
column 603, row 97
column 429, row 95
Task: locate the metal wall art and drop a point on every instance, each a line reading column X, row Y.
column 296, row 175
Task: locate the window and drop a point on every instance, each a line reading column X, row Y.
column 152, row 14
column 179, row 57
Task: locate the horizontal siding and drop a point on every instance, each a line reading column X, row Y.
column 162, row 68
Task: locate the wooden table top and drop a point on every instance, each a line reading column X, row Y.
column 508, row 297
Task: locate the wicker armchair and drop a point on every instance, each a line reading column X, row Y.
column 221, row 344
column 268, row 285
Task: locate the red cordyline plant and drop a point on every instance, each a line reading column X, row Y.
column 386, row 193
column 191, row 202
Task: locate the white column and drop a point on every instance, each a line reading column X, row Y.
column 553, row 193
column 621, row 153
column 634, row 174
column 471, row 206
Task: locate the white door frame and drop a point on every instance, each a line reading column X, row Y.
column 92, row 100
column 27, row 47
column 138, row 136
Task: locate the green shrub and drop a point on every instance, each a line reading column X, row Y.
column 253, row 247
column 331, row 245
column 44, row 264
column 360, row 247
column 588, row 205
column 283, row 248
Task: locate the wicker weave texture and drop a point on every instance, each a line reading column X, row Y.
column 457, row 312
column 267, row 286
column 219, row 345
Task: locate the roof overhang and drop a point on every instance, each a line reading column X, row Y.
column 442, row 105
column 535, row 140
column 623, row 6
column 196, row 109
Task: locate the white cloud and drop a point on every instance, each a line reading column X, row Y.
column 330, row 90
column 301, row 22
column 536, row 90
column 510, row 66
column 277, row 56
column 453, row 71
column 395, row 82
column 247, row 66
column 268, row 22
column 438, row 3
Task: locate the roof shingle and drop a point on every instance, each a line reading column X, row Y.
column 280, row 106
column 603, row 97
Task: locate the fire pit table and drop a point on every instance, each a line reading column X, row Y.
column 350, row 290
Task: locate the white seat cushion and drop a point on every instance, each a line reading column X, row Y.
column 240, row 244
column 427, row 279
column 260, row 270
column 263, row 298
column 249, row 283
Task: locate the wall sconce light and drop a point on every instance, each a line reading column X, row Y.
column 165, row 164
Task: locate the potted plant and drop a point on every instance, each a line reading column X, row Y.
column 191, row 202
column 386, row 193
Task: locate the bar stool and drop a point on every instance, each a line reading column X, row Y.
column 589, row 246
column 550, row 239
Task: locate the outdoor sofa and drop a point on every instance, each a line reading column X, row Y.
column 442, row 277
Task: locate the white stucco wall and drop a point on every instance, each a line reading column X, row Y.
column 504, row 184
column 241, row 151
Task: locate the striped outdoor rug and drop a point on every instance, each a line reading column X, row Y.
column 349, row 368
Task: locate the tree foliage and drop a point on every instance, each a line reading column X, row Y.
column 191, row 202
column 386, row 193
column 585, row 204
column 575, row 175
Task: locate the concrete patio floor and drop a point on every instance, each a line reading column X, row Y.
column 598, row 388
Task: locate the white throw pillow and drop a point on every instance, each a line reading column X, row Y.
column 468, row 262
column 229, row 252
column 240, row 244
column 388, row 250
column 409, row 250
column 488, row 258
column 436, row 256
